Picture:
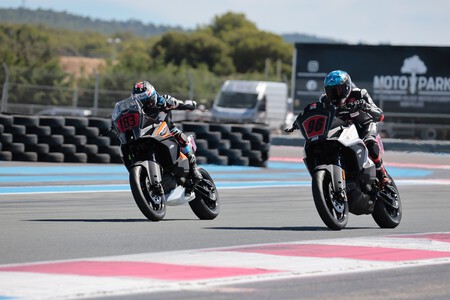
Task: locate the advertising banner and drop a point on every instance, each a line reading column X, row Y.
column 400, row 79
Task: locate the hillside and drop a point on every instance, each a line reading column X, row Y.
column 63, row 20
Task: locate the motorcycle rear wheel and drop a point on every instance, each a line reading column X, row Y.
column 326, row 204
column 206, row 204
column 150, row 203
column 388, row 213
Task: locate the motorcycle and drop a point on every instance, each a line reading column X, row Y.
column 158, row 170
column 343, row 176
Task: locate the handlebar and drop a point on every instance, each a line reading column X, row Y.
column 294, row 127
column 289, row 130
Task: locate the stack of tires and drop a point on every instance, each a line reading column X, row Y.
column 55, row 139
column 79, row 140
column 230, row 144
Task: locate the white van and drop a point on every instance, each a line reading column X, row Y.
column 241, row 101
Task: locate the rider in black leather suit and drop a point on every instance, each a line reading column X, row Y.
column 159, row 107
column 356, row 106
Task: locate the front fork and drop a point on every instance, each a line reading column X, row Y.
column 153, row 172
column 337, row 174
column 338, row 179
column 338, row 186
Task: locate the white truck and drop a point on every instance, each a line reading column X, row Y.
column 242, row 101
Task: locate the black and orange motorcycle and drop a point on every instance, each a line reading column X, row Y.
column 159, row 171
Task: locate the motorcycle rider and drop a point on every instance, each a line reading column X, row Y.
column 159, row 107
column 356, row 106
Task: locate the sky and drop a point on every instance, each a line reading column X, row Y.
column 395, row 22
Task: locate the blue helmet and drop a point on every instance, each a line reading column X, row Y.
column 144, row 92
column 338, row 86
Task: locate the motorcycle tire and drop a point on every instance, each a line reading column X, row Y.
column 388, row 214
column 323, row 199
column 152, row 205
column 206, row 204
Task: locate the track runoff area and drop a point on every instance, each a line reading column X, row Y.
column 201, row 269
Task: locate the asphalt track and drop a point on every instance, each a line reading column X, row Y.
column 70, row 231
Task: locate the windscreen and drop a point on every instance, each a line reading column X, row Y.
column 237, row 100
column 124, row 105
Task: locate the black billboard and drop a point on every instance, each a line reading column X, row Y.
column 400, row 79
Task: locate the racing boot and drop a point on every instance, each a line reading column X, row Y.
column 194, row 172
column 383, row 177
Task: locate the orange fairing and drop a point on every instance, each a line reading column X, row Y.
column 163, row 130
column 182, row 156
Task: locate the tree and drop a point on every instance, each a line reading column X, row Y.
column 251, row 51
column 194, row 49
column 181, row 63
column 249, row 46
column 25, row 45
column 31, row 55
column 134, row 57
column 230, row 22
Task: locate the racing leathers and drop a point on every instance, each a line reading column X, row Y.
column 359, row 109
column 161, row 111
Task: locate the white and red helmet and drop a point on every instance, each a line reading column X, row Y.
column 144, row 92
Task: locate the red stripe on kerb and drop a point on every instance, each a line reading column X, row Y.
column 351, row 252
column 135, row 269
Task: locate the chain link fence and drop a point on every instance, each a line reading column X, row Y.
column 92, row 103
column 87, row 97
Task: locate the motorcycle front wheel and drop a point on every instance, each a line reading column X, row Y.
column 149, row 201
column 332, row 210
column 387, row 212
column 206, row 204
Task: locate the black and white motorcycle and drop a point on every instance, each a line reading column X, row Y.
column 343, row 176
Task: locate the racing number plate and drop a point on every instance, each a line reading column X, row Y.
column 127, row 122
column 314, row 126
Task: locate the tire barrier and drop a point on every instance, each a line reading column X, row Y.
column 77, row 140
